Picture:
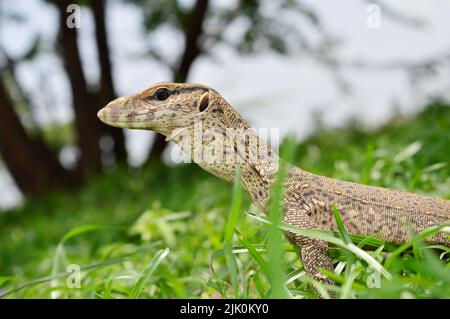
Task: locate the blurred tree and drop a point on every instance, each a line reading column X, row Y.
column 84, row 102
column 87, row 100
column 33, row 164
column 106, row 91
column 30, row 161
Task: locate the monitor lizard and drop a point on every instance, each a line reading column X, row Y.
column 179, row 110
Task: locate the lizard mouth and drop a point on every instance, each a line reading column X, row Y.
column 138, row 121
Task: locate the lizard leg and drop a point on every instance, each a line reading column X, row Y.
column 313, row 252
column 314, row 255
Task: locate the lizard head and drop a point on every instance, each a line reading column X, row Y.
column 166, row 107
column 177, row 110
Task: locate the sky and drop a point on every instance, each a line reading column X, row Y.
column 272, row 91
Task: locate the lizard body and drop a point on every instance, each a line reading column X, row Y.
column 180, row 110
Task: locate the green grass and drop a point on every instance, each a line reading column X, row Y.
column 179, row 232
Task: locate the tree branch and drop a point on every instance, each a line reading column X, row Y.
column 83, row 102
column 32, row 164
column 192, row 49
column 106, row 92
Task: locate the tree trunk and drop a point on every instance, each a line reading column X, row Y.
column 34, row 167
column 194, row 29
column 106, row 92
column 86, row 122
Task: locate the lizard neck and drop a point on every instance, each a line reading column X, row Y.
column 221, row 150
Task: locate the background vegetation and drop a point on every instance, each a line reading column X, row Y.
column 165, row 232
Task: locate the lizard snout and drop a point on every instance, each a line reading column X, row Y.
column 125, row 112
column 102, row 114
column 115, row 112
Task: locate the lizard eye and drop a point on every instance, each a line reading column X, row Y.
column 161, row 94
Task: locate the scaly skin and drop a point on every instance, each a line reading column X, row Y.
column 176, row 110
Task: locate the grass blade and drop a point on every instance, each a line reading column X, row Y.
column 59, row 260
column 342, row 232
column 229, row 233
column 255, row 254
column 277, row 275
column 149, row 269
column 85, row 229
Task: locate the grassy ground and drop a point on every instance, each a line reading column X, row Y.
column 179, row 232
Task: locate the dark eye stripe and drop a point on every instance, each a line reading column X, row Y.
column 181, row 90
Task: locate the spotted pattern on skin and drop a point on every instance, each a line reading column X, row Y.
column 367, row 210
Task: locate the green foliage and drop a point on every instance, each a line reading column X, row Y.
column 119, row 228
column 260, row 26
